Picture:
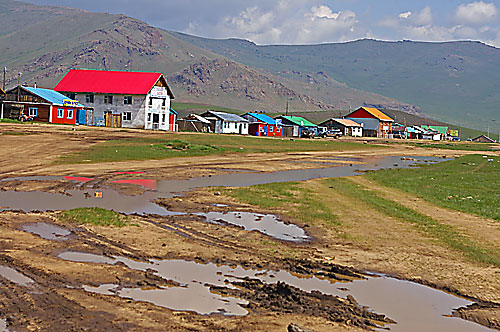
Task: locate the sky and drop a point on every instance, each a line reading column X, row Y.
column 311, row 21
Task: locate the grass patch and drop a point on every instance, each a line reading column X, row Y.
column 444, row 234
column 95, row 216
column 182, row 145
column 469, row 184
column 11, row 121
column 455, row 146
column 299, row 202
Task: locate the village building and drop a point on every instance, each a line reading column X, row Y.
column 121, row 98
column 226, row 123
column 442, row 130
column 348, row 127
column 194, row 122
column 262, row 125
column 43, row 105
column 375, row 123
column 483, row 139
column 300, row 125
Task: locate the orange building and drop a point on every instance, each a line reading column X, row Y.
column 375, row 123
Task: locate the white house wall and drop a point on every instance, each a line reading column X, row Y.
column 163, row 113
column 139, row 110
column 235, row 128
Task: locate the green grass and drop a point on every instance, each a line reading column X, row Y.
column 469, row 184
column 455, row 146
column 183, row 145
column 11, row 121
column 442, row 233
column 299, row 202
column 178, row 106
column 95, row 216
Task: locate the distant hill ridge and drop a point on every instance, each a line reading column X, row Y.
column 44, row 42
column 452, row 81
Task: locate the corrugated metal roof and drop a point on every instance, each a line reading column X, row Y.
column 347, row 122
column 225, row 116
column 51, row 96
column 105, row 81
column 299, row 121
column 198, row 118
column 377, row 113
column 263, row 117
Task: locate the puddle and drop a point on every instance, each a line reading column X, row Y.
column 219, row 205
column 47, row 231
column 413, row 306
column 78, row 179
column 14, row 276
column 264, row 223
column 146, row 183
column 112, row 200
column 167, row 188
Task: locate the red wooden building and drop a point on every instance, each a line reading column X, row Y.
column 375, row 123
column 43, row 105
column 262, row 125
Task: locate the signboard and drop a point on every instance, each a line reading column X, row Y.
column 159, row 92
column 385, row 128
column 70, row 102
column 279, row 122
column 454, row 132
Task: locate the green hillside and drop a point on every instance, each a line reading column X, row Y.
column 454, row 82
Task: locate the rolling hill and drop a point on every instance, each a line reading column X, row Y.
column 44, row 42
column 453, row 81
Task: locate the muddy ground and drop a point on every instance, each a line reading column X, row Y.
column 54, row 300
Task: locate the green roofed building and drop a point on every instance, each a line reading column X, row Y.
column 302, row 124
column 440, row 129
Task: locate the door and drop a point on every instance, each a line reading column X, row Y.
column 156, row 121
column 81, row 116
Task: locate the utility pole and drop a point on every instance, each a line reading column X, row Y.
column 19, row 86
column 492, row 120
column 286, row 111
column 488, row 129
column 4, row 74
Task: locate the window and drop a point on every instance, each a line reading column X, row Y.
column 163, row 102
column 33, row 111
column 127, row 100
column 127, row 116
column 150, row 101
column 71, row 95
column 108, row 99
column 271, row 129
column 149, row 116
column 60, row 113
column 163, row 118
column 70, row 114
column 89, row 99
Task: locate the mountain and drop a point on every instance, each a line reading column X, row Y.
column 453, row 81
column 44, row 42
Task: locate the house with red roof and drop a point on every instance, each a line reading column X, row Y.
column 375, row 123
column 122, row 98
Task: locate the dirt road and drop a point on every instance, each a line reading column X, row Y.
column 117, row 289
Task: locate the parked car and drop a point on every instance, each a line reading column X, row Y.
column 335, row 133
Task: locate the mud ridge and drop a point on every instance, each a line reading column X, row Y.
column 283, row 298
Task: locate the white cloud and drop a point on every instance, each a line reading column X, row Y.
column 284, row 24
column 476, row 13
column 405, row 15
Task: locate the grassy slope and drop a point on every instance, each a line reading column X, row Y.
column 455, row 82
column 469, row 184
column 313, row 206
column 184, row 145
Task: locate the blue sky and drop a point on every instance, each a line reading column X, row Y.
column 311, row 21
